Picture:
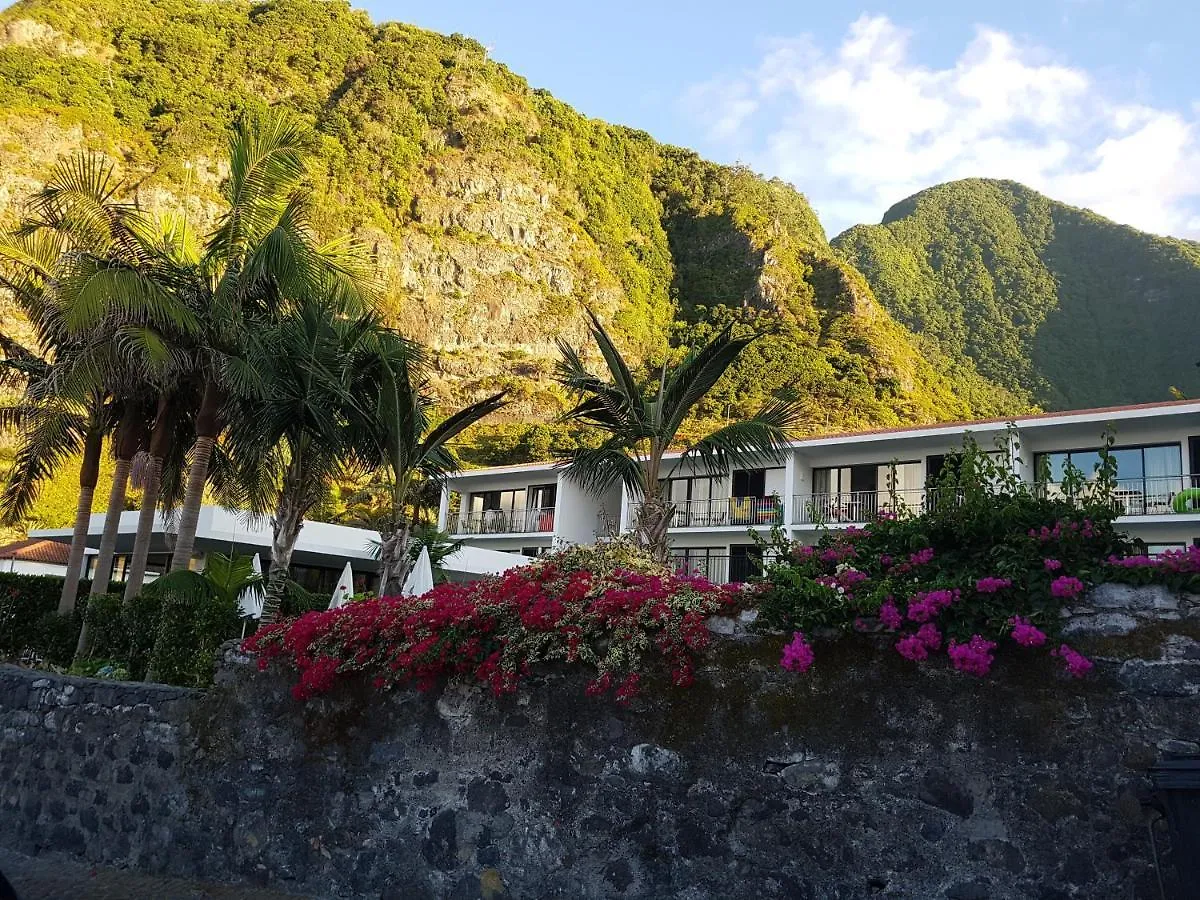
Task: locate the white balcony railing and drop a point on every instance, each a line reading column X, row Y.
column 1152, row 496
column 849, row 507
column 504, row 521
column 721, row 512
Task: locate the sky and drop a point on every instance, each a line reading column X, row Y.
column 1093, row 102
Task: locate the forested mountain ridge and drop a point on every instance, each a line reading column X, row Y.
column 1058, row 304
column 496, row 213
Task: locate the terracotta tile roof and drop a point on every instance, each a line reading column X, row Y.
column 36, row 550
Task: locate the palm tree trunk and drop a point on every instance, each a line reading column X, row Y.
column 89, row 474
column 136, row 574
column 394, row 561
column 207, row 429
column 286, row 529
column 159, row 439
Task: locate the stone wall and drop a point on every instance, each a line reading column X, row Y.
column 868, row 777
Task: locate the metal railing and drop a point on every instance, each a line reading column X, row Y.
column 719, row 569
column 504, row 521
column 1154, row 496
column 846, row 507
column 716, row 513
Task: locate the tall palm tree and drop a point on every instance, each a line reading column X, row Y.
column 289, row 440
column 113, row 301
column 643, row 419
column 262, row 256
column 412, row 449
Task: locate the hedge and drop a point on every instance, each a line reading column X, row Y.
column 29, row 617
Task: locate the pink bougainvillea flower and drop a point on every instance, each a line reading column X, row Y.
column 797, row 655
column 912, row 647
column 1026, row 633
column 889, row 615
column 1065, row 587
column 921, row 557
column 929, row 635
column 974, row 657
column 991, row 584
column 1077, row 665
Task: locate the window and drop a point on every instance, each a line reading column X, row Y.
column 745, row 561
column 534, row 551
column 858, row 493
column 1158, row 549
column 749, row 482
column 707, row 562
column 542, row 496
column 1148, row 478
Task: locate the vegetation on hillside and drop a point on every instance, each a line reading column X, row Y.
column 495, row 213
column 1057, row 304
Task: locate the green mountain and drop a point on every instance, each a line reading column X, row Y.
column 1057, row 304
column 496, row 212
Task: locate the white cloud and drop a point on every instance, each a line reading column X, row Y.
column 866, row 125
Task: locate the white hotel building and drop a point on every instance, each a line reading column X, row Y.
column 838, row 480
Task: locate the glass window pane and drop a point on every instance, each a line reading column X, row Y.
column 1163, row 462
column 1129, row 463
column 1086, row 462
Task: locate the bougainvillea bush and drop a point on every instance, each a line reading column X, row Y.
column 1177, row 569
column 988, row 563
column 607, row 608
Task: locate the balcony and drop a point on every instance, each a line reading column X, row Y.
column 741, row 512
column 1154, row 496
column 504, row 521
column 857, row 507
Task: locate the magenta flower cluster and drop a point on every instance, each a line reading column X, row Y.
column 1066, row 587
column 797, row 655
column 1026, row 633
column 1077, row 665
column 889, row 615
column 1051, row 565
column 925, row 606
column 1061, row 529
column 921, row 557
column 992, row 585
column 974, row 657
column 918, row 646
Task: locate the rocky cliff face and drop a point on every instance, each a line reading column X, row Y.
column 496, row 213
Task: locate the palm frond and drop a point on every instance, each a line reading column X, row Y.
column 748, row 443
column 596, row 469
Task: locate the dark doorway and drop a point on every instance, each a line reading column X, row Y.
column 745, row 562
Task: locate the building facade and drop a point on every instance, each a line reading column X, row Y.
column 320, row 555
column 840, row 480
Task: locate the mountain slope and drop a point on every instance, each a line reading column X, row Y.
column 497, row 214
column 1056, row 303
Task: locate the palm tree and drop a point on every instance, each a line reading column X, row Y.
column 262, row 256
column 289, row 440
column 643, row 418
column 410, row 450
column 113, row 302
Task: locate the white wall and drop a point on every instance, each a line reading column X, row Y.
column 577, row 518
column 26, row 567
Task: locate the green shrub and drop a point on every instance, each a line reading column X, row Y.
column 190, row 629
column 981, row 528
column 106, row 626
column 29, row 619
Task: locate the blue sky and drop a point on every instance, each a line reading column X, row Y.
column 1095, row 102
